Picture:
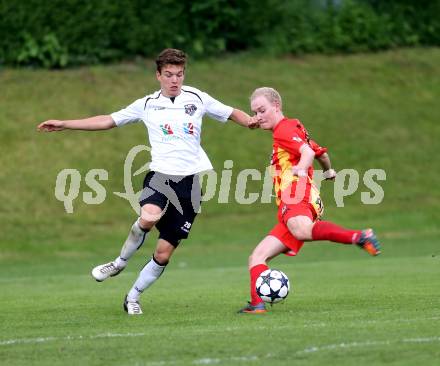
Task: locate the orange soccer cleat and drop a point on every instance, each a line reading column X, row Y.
column 369, row 242
column 260, row 308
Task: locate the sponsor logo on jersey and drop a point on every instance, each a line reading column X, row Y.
column 166, row 129
column 295, row 138
column 188, row 128
column 190, row 109
column 157, row 107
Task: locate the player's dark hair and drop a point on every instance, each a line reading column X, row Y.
column 170, row 56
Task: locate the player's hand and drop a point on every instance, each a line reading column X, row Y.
column 299, row 172
column 329, row 174
column 51, row 125
column 253, row 122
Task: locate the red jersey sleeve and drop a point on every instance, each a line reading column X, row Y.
column 291, row 135
column 319, row 150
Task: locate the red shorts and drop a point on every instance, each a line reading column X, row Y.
column 286, row 211
column 280, row 230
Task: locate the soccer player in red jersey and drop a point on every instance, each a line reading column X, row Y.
column 299, row 205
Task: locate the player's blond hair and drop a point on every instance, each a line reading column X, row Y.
column 270, row 93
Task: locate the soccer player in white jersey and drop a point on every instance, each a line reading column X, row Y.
column 171, row 196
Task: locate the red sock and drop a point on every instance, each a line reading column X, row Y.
column 255, row 271
column 326, row 230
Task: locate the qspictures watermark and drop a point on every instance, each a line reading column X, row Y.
column 220, row 186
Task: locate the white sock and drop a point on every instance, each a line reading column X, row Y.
column 134, row 241
column 149, row 274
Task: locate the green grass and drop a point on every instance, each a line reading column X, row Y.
column 351, row 309
column 372, row 111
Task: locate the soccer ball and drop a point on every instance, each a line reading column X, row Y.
column 272, row 286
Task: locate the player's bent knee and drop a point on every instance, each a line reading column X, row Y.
column 150, row 215
column 302, row 234
column 162, row 258
column 300, row 229
column 146, row 224
column 163, row 255
column 299, row 233
column 150, row 209
column 164, row 251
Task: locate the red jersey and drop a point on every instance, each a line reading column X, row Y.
column 289, row 135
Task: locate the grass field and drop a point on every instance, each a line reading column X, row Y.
column 346, row 308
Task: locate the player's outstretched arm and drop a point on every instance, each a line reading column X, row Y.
column 243, row 119
column 104, row 122
column 326, row 165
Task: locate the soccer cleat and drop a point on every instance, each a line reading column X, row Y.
column 104, row 271
column 132, row 307
column 369, row 242
column 260, row 308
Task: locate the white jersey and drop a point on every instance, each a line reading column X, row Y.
column 174, row 128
